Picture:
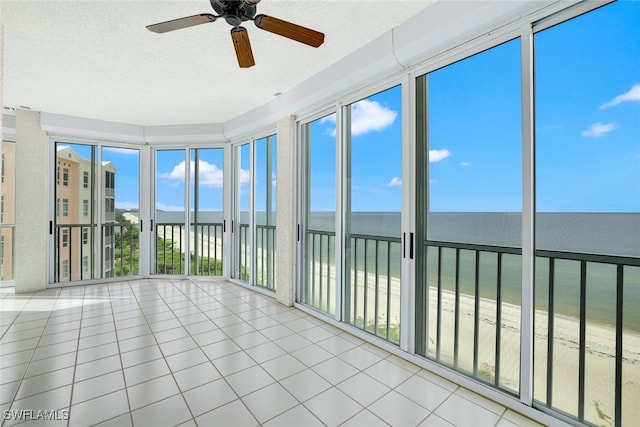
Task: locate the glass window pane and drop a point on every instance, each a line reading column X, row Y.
column 265, row 211
column 206, row 213
column 588, row 205
column 473, row 187
column 75, row 161
column 374, row 204
column 170, row 212
column 319, row 288
column 121, row 211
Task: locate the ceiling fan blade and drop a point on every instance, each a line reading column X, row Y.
column 289, row 30
column 180, row 23
column 242, row 45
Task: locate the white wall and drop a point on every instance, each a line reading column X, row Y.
column 285, row 211
column 32, row 203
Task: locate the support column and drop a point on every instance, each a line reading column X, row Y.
column 32, row 203
column 285, row 211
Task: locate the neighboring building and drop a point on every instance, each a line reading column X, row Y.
column 7, row 209
column 76, row 218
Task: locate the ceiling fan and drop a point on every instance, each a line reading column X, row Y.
column 235, row 12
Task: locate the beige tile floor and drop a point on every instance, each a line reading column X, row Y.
column 168, row 353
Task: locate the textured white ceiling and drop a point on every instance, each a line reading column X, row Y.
column 95, row 59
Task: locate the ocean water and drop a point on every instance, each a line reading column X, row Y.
column 615, row 234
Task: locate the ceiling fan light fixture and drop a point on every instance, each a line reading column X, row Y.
column 235, row 12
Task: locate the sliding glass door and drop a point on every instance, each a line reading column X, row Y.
column 254, row 212
column 352, row 171
column 469, row 215
column 241, row 223
column 320, row 282
column 189, row 241
column 96, row 196
column 265, row 211
column 373, row 207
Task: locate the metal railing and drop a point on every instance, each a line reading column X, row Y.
column 169, row 248
column 586, row 325
column 71, row 248
column 587, row 328
column 124, row 240
column 75, row 258
column 373, row 291
column 209, row 249
column 243, row 252
column 319, row 286
column 206, row 244
column 265, row 265
column 472, row 310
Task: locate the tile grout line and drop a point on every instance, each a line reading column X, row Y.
column 15, row 394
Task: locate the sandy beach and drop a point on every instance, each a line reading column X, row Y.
column 599, row 357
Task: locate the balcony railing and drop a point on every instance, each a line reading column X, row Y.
column 587, row 336
column 586, row 326
column 265, row 256
column 124, row 241
column 472, row 310
column 319, row 286
column 75, row 257
column 169, row 248
column 373, row 281
column 205, row 243
column 74, row 244
column 373, row 297
column 243, row 251
column 208, row 246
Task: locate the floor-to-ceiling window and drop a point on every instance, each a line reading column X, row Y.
column 320, row 279
column 206, row 214
column 469, row 216
column 587, row 323
column 241, row 223
column 351, row 213
column 189, row 241
column 373, row 207
column 120, row 211
column 170, row 211
column 77, row 255
column 265, row 211
column 254, row 212
column 96, row 212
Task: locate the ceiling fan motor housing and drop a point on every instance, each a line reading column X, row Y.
column 234, row 11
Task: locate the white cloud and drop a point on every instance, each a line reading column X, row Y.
column 632, row 95
column 465, row 164
column 395, row 182
column 209, row 174
column 598, row 129
column 438, row 155
column 366, row 116
column 127, row 151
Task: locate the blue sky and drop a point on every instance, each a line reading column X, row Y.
column 587, row 132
